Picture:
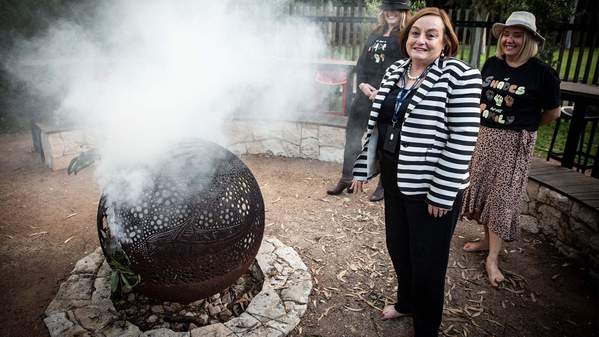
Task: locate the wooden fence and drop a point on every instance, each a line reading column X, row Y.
column 346, row 28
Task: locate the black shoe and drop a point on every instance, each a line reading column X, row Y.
column 378, row 194
column 338, row 188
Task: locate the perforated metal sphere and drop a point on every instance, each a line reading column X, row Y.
column 194, row 229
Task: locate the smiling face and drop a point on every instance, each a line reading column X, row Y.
column 512, row 40
column 426, row 39
column 392, row 17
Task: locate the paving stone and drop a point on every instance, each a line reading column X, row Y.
column 291, row 257
column 213, row 330
column 121, row 329
column 264, row 331
column 285, row 324
column 266, row 305
column 242, row 323
column 293, row 306
column 89, row 264
column 94, row 318
column 163, row 332
column 76, row 287
column 60, row 326
column 102, row 290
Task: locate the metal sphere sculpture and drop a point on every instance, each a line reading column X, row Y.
column 193, row 230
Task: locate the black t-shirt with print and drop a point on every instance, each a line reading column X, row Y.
column 378, row 54
column 514, row 98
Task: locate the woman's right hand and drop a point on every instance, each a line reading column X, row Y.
column 358, row 185
column 368, row 90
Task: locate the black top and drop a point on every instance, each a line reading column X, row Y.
column 378, row 54
column 514, row 98
column 387, row 111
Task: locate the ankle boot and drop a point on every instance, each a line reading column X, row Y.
column 378, row 194
column 338, row 188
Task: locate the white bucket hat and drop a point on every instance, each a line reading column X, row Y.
column 521, row 19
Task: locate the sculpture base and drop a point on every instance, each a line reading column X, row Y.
column 83, row 305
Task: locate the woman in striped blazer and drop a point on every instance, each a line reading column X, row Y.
column 421, row 134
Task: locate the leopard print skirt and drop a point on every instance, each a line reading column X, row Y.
column 498, row 179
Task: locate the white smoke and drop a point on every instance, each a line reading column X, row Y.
column 145, row 74
column 140, row 76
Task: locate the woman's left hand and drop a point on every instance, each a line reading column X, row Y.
column 436, row 211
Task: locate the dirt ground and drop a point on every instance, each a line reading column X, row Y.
column 48, row 223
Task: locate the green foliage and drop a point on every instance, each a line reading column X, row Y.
column 122, row 278
column 549, row 14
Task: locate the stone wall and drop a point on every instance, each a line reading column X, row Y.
column 320, row 137
column 570, row 225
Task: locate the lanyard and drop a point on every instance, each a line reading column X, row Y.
column 404, row 93
column 401, row 96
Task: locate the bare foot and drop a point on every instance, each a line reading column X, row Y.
column 493, row 272
column 476, row 246
column 389, row 312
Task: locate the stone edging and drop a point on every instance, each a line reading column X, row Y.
column 311, row 139
column 571, row 226
column 82, row 306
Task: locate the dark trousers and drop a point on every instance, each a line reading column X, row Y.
column 419, row 248
column 357, row 121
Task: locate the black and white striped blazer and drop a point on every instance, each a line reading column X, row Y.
column 438, row 133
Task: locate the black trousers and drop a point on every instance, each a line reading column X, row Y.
column 418, row 244
column 357, row 121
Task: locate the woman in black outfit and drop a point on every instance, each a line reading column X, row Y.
column 380, row 51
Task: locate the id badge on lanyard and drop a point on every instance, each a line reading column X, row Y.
column 392, row 134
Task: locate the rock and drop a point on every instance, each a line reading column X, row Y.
column 264, row 331
column 529, row 224
column 192, row 326
column 121, row 329
column 163, row 332
column 203, row 318
column 587, row 215
column 332, row 154
column 266, row 306
column 213, row 310
column 131, row 297
column 105, row 270
column 60, row 326
column 286, row 324
column 89, row 264
column 549, row 218
column 225, row 315
column 95, row 318
column 331, row 137
column 197, row 303
column 214, row 330
column 157, row 309
column 102, row 290
column 76, row 287
column 292, row 306
column 554, row 199
column 532, row 189
column 242, row 323
column 152, row 319
column 226, row 298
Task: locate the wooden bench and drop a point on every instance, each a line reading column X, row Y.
column 568, row 182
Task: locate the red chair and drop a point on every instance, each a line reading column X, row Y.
column 335, row 77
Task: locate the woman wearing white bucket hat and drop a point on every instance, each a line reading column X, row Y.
column 520, row 92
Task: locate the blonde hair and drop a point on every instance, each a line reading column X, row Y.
column 530, row 47
column 381, row 27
